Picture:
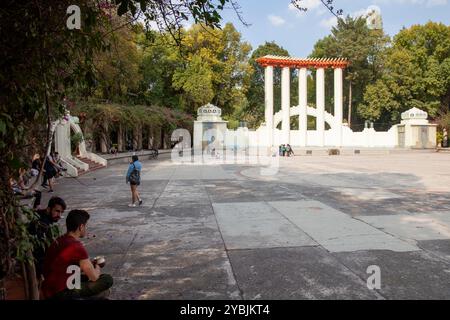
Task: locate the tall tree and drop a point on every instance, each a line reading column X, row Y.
column 117, row 69
column 212, row 66
column 352, row 39
column 416, row 73
column 254, row 110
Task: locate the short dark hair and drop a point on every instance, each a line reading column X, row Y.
column 75, row 219
column 134, row 158
column 56, row 201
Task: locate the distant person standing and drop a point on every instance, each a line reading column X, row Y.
column 283, row 150
column 134, row 178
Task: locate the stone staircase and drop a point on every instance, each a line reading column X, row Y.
column 92, row 165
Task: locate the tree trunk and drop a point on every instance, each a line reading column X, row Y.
column 2, row 290
column 120, row 139
column 350, row 105
column 150, row 138
column 135, row 138
column 31, row 281
column 139, row 137
column 104, row 141
column 163, row 141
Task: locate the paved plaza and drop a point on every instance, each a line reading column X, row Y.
column 223, row 231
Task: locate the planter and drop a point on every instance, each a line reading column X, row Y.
column 15, row 288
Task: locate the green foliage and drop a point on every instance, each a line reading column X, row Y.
column 196, row 82
column 415, row 74
column 364, row 48
column 117, row 69
column 444, row 121
column 75, row 140
column 40, row 59
column 254, row 111
column 131, row 116
column 439, row 138
column 211, row 66
column 172, row 15
column 43, row 62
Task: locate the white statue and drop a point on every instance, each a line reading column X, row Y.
column 374, row 20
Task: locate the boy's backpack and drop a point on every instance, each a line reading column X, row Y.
column 135, row 176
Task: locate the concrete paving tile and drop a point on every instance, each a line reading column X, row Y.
column 336, row 231
column 430, row 226
column 244, row 211
column 191, row 274
column 404, row 275
column 295, row 273
column 195, row 211
column 257, row 225
column 176, row 234
column 440, row 248
column 269, row 233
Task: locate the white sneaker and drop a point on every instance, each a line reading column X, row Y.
column 132, row 205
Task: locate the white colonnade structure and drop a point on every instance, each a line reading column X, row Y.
column 414, row 132
column 303, row 65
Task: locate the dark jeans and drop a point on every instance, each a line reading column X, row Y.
column 89, row 289
column 37, row 201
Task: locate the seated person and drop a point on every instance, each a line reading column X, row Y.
column 36, row 165
column 20, row 188
column 67, row 251
column 44, row 229
column 59, row 164
column 113, row 150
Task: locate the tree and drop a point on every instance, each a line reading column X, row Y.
column 117, row 69
column 196, row 82
column 352, row 39
column 254, row 109
column 416, row 73
column 40, row 59
column 211, row 66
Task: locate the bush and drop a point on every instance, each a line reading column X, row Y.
column 75, row 140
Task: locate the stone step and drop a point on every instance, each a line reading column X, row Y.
column 92, row 166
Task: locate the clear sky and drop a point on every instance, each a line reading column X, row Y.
column 276, row 20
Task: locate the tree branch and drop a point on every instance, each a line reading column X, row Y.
column 327, row 3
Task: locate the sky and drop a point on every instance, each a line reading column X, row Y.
column 296, row 31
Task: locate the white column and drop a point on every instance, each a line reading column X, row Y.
column 268, row 81
column 285, row 105
column 320, row 105
column 303, row 104
column 338, row 109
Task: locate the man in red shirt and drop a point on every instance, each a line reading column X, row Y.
column 68, row 252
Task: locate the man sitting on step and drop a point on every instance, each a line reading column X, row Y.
column 66, row 258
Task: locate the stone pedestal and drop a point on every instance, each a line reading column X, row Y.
column 415, row 131
column 209, row 129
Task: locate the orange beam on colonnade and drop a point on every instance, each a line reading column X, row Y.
column 282, row 62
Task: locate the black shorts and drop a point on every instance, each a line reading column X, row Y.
column 135, row 183
column 50, row 174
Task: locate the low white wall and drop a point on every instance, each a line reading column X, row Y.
column 369, row 138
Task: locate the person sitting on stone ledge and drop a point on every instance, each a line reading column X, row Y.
column 35, row 165
column 68, row 253
column 21, row 189
column 46, row 230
